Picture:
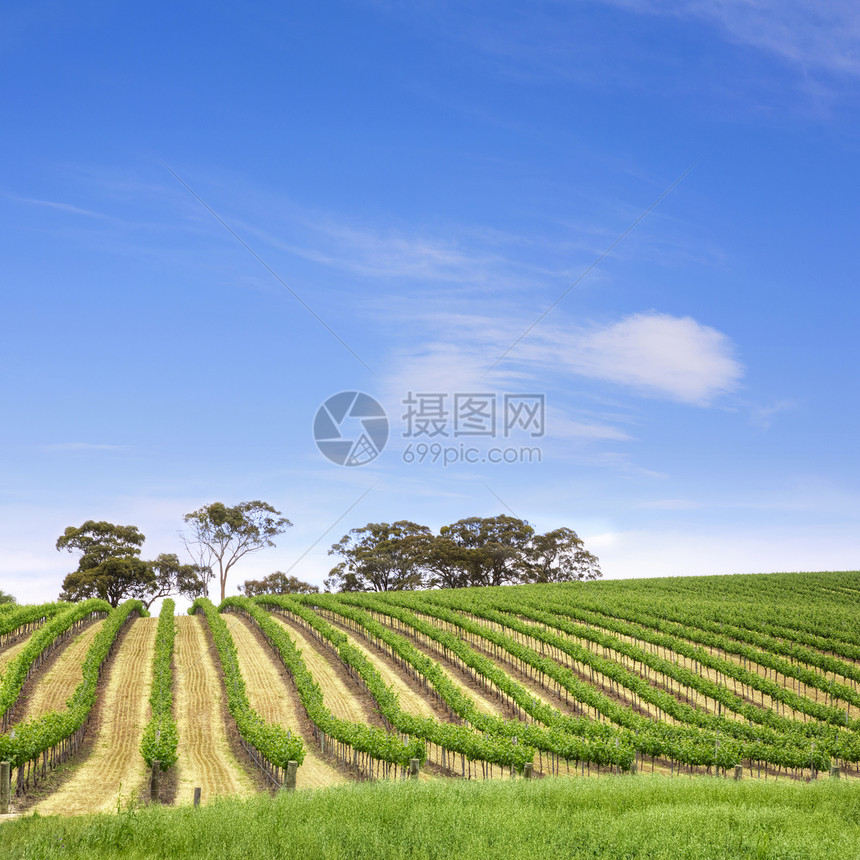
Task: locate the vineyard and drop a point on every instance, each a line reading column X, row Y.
column 739, row 677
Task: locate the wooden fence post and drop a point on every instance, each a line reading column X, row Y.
column 739, row 771
column 155, row 780
column 197, row 795
column 834, row 771
column 290, row 783
column 528, row 770
column 5, row 786
column 414, row 766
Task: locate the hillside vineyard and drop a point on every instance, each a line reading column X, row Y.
column 744, row 677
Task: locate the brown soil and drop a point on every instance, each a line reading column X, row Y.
column 343, row 695
column 273, row 695
column 206, row 758
column 411, row 695
column 10, row 652
column 114, row 767
column 51, row 686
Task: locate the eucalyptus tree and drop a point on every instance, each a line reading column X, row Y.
column 219, row 536
column 381, row 557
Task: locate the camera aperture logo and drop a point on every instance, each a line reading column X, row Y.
column 351, row 428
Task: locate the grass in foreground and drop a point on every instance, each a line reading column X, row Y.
column 639, row 817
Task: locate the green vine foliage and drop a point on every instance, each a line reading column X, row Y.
column 160, row 737
column 707, row 739
column 573, row 739
column 68, row 615
column 275, row 743
column 28, row 740
column 17, row 616
column 373, row 742
column 493, row 747
column 776, row 739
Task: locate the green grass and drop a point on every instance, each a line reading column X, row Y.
column 625, row 817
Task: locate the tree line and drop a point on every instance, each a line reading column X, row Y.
column 218, row 536
column 476, row 551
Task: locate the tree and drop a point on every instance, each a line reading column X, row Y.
column 109, row 566
column 491, row 550
column 114, row 580
column 5, row 597
column 277, row 583
column 448, row 563
column 99, row 541
column 560, row 556
column 220, row 536
column 170, row 576
column 381, row 557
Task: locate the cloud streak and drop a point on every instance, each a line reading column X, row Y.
column 651, row 354
column 62, row 207
column 74, row 447
column 805, row 32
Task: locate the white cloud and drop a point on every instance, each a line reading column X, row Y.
column 653, row 354
column 658, row 355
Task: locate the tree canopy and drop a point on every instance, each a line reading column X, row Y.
column 475, row 551
column 110, row 567
column 380, row 557
column 99, row 541
column 277, row 583
column 560, row 556
column 173, row 577
column 5, row 597
column 490, row 549
column 219, row 536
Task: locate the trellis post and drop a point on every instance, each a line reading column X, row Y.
column 155, row 780
column 5, row 786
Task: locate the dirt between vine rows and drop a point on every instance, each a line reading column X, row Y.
column 273, row 695
column 484, row 701
column 10, row 652
column 206, row 757
column 114, row 767
column 411, row 695
column 52, row 685
column 343, row 696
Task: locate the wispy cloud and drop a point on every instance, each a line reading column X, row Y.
column 805, row 32
column 651, row 354
column 388, row 254
column 72, row 447
column 670, row 505
column 62, row 207
column 762, row 415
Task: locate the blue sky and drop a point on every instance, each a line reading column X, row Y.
column 430, row 179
